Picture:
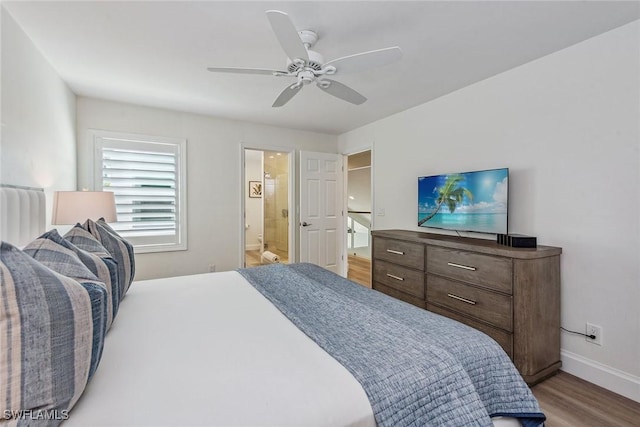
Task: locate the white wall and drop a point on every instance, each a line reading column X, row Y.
column 38, row 145
column 567, row 126
column 252, row 205
column 213, row 175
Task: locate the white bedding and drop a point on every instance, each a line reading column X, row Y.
column 210, row 350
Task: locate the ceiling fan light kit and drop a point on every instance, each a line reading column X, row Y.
column 308, row 66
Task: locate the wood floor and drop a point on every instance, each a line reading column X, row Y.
column 359, row 270
column 569, row 401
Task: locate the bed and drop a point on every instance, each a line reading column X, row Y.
column 277, row 345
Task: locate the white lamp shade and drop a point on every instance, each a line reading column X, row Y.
column 71, row 207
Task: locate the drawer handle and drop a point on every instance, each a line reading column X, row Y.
column 395, row 277
column 468, row 301
column 466, row 267
column 391, row 251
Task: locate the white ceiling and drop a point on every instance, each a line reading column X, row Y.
column 156, row 53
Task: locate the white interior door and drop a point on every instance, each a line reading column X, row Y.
column 321, row 210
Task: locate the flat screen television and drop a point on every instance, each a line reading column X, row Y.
column 466, row 201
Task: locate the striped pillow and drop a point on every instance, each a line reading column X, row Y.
column 97, row 266
column 45, row 337
column 84, row 241
column 119, row 248
column 66, row 262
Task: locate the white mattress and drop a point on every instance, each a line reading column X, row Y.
column 211, row 350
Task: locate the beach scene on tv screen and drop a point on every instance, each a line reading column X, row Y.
column 469, row 201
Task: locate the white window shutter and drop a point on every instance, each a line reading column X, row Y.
column 147, row 176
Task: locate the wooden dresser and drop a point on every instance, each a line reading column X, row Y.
column 511, row 294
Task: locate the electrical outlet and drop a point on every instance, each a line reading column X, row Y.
column 596, row 330
column 212, row 268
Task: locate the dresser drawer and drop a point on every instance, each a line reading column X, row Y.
column 398, row 277
column 487, row 306
column 398, row 295
column 503, row 338
column 485, row 270
column 398, row 252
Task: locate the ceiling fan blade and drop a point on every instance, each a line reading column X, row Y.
column 288, row 93
column 341, row 91
column 247, row 71
column 366, row 60
column 287, row 35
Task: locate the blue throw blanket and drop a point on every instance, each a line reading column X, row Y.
column 417, row 368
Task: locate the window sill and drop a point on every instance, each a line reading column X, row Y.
column 159, row 248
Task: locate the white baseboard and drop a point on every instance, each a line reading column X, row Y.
column 605, row 376
column 252, row 247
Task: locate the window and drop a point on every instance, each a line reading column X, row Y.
column 147, row 175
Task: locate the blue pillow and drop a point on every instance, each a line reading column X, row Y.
column 119, row 248
column 85, row 241
column 46, row 339
column 97, row 266
column 66, row 262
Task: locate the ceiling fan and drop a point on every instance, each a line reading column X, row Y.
column 308, row 66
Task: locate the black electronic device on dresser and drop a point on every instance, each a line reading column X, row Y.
column 517, row 240
column 511, row 294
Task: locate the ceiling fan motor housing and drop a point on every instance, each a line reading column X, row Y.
column 315, row 62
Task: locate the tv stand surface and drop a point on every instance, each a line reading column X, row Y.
column 511, row 294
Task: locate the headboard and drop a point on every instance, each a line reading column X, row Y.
column 22, row 214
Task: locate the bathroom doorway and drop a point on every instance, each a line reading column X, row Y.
column 266, row 207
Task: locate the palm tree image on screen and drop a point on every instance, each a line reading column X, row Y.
column 451, row 194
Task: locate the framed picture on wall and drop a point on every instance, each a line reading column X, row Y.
column 255, row 189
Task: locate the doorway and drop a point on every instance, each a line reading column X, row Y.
column 267, row 182
column 359, row 207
